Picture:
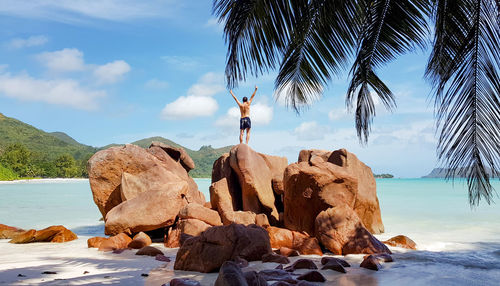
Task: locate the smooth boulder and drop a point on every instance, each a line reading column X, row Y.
column 402, row 241
column 57, row 234
column 341, row 231
column 151, row 210
column 208, row 251
column 255, row 179
column 140, row 240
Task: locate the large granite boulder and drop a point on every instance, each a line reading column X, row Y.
column 176, row 160
column 222, row 201
column 222, row 170
column 144, row 170
column 245, row 180
column 341, row 231
column 199, row 212
column 208, row 251
column 303, row 243
column 366, row 203
column 255, row 179
column 150, row 210
column 178, row 154
column 312, row 188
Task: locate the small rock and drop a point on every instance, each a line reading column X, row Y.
column 402, row 241
column 301, row 264
column 230, row 274
column 370, row 262
column 241, row 262
column 161, row 257
column 312, row 276
column 342, row 262
column 21, row 275
column 86, row 272
column 254, row 279
column 383, row 257
column 144, row 275
column 183, row 282
column 49, row 272
column 288, row 252
column 149, row 251
column 276, row 275
column 118, row 251
column 334, row 265
column 107, row 276
column 140, row 240
column 273, row 257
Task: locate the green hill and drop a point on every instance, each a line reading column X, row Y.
column 34, row 152
column 43, row 144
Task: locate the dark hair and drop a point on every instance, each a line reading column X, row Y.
column 245, row 99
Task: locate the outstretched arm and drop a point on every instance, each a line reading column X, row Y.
column 253, row 95
column 237, row 101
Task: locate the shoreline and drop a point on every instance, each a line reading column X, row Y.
column 45, row 180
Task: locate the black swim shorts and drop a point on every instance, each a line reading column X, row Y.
column 245, row 123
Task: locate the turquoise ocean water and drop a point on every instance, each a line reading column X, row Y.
column 451, row 236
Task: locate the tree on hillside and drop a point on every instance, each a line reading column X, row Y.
column 309, row 41
column 18, row 158
column 66, row 166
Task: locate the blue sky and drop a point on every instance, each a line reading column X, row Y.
column 115, row 71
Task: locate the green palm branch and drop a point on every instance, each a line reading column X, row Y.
column 310, row 41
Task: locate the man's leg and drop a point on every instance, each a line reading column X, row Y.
column 241, row 135
column 248, row 134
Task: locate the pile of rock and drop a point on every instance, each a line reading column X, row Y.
column 326, row 200
column 139, row 189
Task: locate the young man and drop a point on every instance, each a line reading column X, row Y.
column 245, row 123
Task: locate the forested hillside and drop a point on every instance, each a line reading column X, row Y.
column 26, row 152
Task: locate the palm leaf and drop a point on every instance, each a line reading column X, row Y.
column 463, row 68
column 390, row 28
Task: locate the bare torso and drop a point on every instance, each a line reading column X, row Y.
column 245, row 109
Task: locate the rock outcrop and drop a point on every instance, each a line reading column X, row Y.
column 301, row 242
column 208, row 251
column 332, row 195
column 249, row 182
column 57, row 233
column 132, row 186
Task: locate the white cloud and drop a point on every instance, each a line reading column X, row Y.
column 111, row 72
column 260, row 114
column 339, row 114
column 208, row 85
column 32, row 41
column 186, row 107
column 65, row 60
column 310, row 131
column 79, row 11
column 213, row 23
column 62, row 92
column 198, row 102
column 156, row 84
column 181, row 63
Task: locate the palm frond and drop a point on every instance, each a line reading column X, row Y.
column 321, row 41
column 256, row 33
column 390, row 28
column 463, row 69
